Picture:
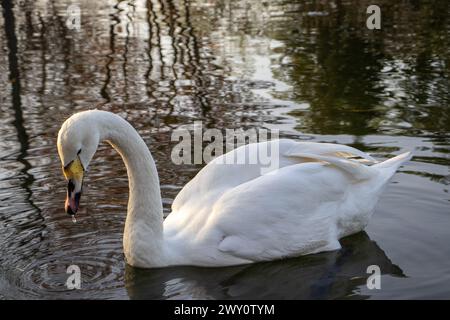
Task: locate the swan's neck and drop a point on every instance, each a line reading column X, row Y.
column 143, row 235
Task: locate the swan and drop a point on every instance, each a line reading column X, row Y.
column 231, row 214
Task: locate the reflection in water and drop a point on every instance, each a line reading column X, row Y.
column 327, row 275
column 307, row 68
column 29, row 224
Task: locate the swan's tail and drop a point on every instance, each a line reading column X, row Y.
column 390, row 166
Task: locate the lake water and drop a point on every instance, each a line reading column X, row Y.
column 308, row 68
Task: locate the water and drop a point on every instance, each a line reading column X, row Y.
column 310, row 69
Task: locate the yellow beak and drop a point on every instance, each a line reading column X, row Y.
column 73, row 172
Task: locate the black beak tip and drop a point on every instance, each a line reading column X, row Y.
column 70, row 212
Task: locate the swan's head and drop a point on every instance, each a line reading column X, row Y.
column 78, row 140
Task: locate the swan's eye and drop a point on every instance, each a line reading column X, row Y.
column 79, row 151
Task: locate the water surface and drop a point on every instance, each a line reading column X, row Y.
column 310, row 69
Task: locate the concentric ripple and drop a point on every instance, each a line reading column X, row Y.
column 101, row 264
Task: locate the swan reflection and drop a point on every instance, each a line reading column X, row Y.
column 329, row 275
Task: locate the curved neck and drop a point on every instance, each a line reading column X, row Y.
column 143, row 234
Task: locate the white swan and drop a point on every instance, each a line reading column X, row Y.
column 231, row 214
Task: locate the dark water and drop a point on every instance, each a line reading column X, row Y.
column 311, row 69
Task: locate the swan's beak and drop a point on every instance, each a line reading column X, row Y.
column 73, row 172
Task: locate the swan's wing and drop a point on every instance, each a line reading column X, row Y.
column 353, row 168
column 193, row 204
column 216, row 177
column 235, row 213
column 291, row 212
column 331, row 150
